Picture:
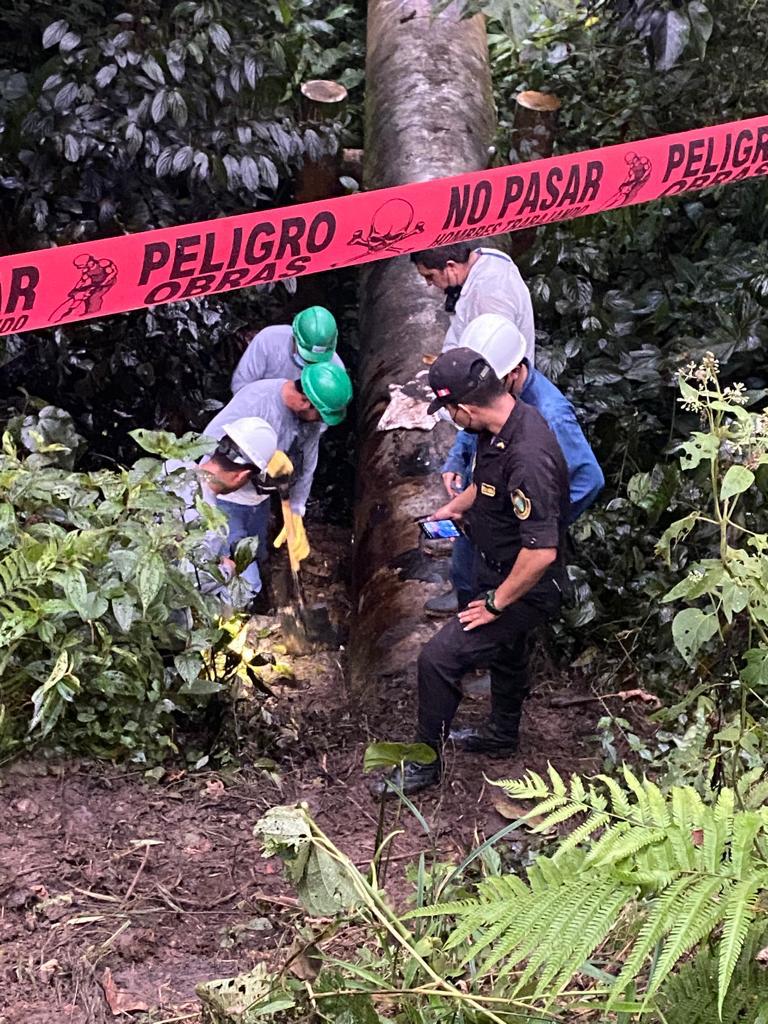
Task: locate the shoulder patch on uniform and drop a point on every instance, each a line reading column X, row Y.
column 521, row 504
column 488, row 489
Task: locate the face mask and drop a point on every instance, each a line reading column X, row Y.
column 452, row 293
column 469, row 429
column 301, row 363
column 443, row 414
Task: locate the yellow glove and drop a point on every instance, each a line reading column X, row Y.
column 299, row 550
column 279, row 465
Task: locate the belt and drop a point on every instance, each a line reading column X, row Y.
column 493, row 564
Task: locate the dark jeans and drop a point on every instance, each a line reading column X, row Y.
column 463, row 569
column 501, row 645
column 248, row 521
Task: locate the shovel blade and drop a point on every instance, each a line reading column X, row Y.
column 318, row 625
column 293, row 632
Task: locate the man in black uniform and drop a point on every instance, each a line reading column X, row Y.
column 517, row 512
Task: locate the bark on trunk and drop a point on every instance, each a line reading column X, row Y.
column 428, row 114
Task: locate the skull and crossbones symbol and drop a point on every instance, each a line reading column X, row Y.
column 389, row 225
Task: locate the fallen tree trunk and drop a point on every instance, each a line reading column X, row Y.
column 428, row 114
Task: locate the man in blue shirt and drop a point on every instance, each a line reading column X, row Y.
column 502, row 345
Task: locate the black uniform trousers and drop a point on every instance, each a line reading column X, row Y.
column 501, row 646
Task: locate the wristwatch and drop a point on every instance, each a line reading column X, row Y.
column 490, row 603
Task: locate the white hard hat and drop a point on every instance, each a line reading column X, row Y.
column 255, row 439
column 497, row 340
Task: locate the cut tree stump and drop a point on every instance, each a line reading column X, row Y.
column 534, row 131
column 429, row 114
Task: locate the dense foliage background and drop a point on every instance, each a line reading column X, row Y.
column 127, row 116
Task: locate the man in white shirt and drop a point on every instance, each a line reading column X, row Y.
column 247, row 450
column 281, row 352
column 298, row 411
column 478, row 281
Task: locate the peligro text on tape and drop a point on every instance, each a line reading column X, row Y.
column 63, row 285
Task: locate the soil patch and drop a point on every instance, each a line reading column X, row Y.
column 118, row 893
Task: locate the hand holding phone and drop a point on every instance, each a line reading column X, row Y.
column 439, row 529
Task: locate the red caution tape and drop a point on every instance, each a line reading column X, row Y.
column 90, row 279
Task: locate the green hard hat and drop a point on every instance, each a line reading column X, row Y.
column 315, row 332
column 329, row 389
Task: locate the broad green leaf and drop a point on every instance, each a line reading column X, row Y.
column 76, row 590
column 389, row 755
column 323, row 883
column 677, row 531
column 756, row 671
column 150, row 578
column 189, row 664
column 245, row 552
column 735, row 599
column 699, row 447
column 125, row 612
column 737, row 480
column 190, row 446
column 691, row 628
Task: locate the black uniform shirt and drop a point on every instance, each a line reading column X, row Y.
column 522, row 489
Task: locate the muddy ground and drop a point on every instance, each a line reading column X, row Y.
column 118, row 889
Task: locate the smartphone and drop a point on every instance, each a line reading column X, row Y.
column 440, row 529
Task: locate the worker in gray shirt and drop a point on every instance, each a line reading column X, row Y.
column 298, row 411
column 282, row 351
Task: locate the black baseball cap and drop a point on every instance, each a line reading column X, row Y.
column 454, row 375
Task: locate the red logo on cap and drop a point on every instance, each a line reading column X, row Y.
column 442, row 392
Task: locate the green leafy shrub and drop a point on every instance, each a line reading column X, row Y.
column 108, row 642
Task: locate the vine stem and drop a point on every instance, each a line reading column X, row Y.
column 399, row 933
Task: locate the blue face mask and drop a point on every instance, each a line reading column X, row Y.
column 301, row 363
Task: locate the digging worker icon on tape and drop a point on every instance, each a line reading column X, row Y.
column 96, row 278
column 517, row 511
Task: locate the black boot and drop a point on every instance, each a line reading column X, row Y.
column 496, row 738
column 410, row 779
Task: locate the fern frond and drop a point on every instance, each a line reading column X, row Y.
column 757, row 795
column 503, row 922
column 604, row 920
column 659, row 810
column 661, row 914
column 690, row 996
column 549, row 912
column 578, row 790
column 558, row 817
column 527, row 917
column 738, row 912
column 559, row 787
column 596, row 800
column 681, row 845
column 628, row 845
column 530, row 787
column 746, row 828
column 619, row 803
column 584, row 831
column 641, row 812
column 696, row 915
column 441, row 909
column 610, row 837
column 592, row 916
column 712, row 850
column 549, row 871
